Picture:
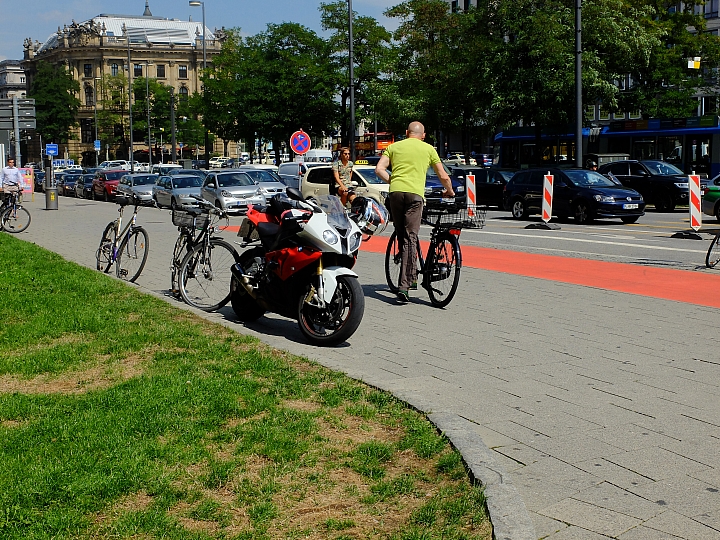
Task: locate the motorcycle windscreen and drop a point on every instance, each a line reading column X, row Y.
column 336, row 215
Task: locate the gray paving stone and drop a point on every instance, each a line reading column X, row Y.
column 673, row 523
column 590, row 517
column 606, row 495
column 644, row 533
column 683, row 494
column 656, row 463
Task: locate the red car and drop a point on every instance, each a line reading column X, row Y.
column 105, row 184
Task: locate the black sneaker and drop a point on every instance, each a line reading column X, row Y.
column 403, row 297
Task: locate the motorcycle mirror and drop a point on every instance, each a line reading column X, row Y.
column 294, row 193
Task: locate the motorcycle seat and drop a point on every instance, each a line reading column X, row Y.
column 268, row 233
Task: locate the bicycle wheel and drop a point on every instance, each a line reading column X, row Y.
column 15, row 220
column 442, row 271
column 132, row 255
column 104, row 253
column 393, row 262
column 205, row 275
column 182, row 246
column 713, row 253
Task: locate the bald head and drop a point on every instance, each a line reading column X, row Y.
column 416, row 130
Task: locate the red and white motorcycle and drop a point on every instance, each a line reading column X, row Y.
column 301, row 264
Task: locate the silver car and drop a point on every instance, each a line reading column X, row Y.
column 175, row 191
column 139, row 185
column 232, row 191
column 269, row 182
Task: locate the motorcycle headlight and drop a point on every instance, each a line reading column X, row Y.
column 330, row 237
column 604, row 198
column 354, row 242
column 682, row 185
column 226, row 194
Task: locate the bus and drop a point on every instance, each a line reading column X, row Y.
column 384, row 139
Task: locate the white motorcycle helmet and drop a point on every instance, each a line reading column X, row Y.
column 371, row 216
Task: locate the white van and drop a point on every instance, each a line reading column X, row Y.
column 321, row 156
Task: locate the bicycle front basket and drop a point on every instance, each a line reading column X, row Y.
column 180, row 218
column 472, row 217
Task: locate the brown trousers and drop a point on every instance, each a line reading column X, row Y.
column 406, row 210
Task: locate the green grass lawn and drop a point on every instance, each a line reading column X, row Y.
column 124, row 417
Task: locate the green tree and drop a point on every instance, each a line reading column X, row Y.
column 112, row 112
column 56, row 103
column 371, row 57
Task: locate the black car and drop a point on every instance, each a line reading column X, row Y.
column 83, row 187
column 199, row 164
column 580, row 193
column 66, row 184
column 660, row 183
column 40, row 181
column 489, row 183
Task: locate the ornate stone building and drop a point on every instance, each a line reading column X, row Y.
column 168, row 50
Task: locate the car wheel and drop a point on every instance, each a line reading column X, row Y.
column 94, row 195
column 583, row 214
column 717, row 212
column 173, row 204
column 629, row 219
column 107, row 197
column 518, row 209
column 664, row 203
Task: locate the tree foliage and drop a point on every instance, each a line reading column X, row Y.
column 56, row 103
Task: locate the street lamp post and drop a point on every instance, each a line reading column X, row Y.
column 197, row 3
column 352, row 82
column 147, row 98
column 97, row 150
column 162, row 148
column 131, row 156
column 578, row 85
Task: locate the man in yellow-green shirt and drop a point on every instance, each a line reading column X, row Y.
column 409, row 160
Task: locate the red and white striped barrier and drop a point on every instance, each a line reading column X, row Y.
column 547, row 197
column 471, row 194
column 695, row 205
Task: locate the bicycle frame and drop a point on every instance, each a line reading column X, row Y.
column 125, row 232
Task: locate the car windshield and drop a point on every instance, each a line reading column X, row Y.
column 114, row 175
column 507, row 175
column 234, row 180
column 370, row 176
column 186, row 182
column 589, row 179
column 144, row 180
column 662, row 168
column 260, row 175
column 431, row 172
column 71, row 177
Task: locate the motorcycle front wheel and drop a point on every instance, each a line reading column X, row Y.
column 338, row 320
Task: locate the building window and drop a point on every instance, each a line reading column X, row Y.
column 137, row 71
column 114, row 70
column 87, row 130
column 87, row 70
column 711, row 9
column 182, row 72
column 22, row 80
column 89, row 97
column 183, row 93
column 161, row 71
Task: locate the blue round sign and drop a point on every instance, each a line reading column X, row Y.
column 300, row 142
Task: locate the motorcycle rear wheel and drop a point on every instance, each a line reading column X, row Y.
column 338, row 320
column 245, row 306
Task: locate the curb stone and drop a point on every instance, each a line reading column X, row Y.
column 509, row 516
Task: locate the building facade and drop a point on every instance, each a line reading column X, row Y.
column 105, row 46
column 12, row 79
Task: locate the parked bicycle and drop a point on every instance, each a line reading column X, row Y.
column 201, row 261
column 713, row 252
column 14, row 218
column 440, row 267
column 126, row 248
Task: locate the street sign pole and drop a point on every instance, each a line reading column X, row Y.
column 18, row 157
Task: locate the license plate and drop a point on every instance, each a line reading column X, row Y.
column 630, row 206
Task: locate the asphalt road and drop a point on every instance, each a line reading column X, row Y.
column 600, row 407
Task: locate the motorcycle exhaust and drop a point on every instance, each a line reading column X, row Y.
column 243, row 279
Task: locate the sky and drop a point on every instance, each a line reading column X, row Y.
column 38, row 19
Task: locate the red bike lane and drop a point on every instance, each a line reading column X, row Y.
column 680, row 285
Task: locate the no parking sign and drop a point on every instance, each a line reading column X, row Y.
column 300, row 142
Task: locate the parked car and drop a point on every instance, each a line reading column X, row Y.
column 105, row 184
column 219, row 162
column 116, row 164
column 40, row 181
column 84, row 186
column 232, row 191
column 319, row 181
column 165, row 168
column 660, row 183
column 139, row 185
column 176, row 191
column 199, row 164
column 194, row 172
column 711, row 198
column 580, row 193
column 90, row 170
column 434, row 188
column 291, row 173
column 268, row 182
column 66, row 185
column 489, row 183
